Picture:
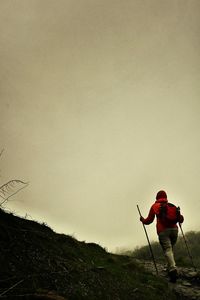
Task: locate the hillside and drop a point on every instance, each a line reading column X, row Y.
column 37, row 263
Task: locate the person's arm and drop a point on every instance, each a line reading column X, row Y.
column 150, row 217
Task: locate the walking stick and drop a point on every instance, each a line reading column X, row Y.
column 151, row 251
column 187, row 247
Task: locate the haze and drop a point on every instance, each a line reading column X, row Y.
column 100, row 110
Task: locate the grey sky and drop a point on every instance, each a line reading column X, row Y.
column 99, row 110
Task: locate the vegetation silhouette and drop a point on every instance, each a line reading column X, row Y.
column 10, row 188
column 180, row 251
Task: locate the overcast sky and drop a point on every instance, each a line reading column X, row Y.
column 100, row 109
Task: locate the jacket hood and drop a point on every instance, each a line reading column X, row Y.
column 161, row 195
column 161, row 200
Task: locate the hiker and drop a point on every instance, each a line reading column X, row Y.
column 167, row 228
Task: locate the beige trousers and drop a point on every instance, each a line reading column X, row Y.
column 167, row 240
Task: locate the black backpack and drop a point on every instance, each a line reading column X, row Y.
column 169, row 213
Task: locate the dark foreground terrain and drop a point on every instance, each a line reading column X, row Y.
column 37, row 263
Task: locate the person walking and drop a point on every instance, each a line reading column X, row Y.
column 168, row 215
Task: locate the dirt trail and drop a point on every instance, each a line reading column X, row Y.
column 187, row 285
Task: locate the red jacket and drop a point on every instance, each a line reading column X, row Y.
column 154, row 211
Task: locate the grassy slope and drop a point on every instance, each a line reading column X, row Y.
column 48, row 261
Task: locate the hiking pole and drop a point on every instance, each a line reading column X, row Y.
column 188, row 250
column 151, row 251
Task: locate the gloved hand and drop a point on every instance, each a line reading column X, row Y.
column 181, row 219
column 141, row 219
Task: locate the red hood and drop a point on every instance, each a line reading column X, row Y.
column 162, row 200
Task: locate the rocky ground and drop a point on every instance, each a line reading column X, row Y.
column 187, row 285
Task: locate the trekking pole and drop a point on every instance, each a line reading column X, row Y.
column 151, row 251
column 187, row 247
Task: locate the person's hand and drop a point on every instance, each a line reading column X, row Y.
column 141, row 219
column 181, row 219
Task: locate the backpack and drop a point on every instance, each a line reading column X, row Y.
column 169, row 213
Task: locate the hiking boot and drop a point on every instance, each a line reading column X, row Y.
column 173, row 275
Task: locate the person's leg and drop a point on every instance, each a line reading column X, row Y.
column 173, row 236
column 165, row 242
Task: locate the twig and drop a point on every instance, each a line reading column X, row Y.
column 12, row 287
column 4, row 189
